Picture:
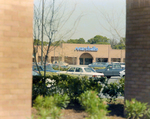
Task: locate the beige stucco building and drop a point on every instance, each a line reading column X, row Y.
column 84, row 54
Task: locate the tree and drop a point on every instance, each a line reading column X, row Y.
column 98, row 39
column 81, row 41
column 76, row 41
column 38, row 42
column 121, row 44
column 113, row 43
column 52, row 24
column 112, row 22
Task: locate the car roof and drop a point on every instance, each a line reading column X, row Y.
column 81, row 66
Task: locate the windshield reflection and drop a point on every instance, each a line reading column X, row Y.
column 89, row 70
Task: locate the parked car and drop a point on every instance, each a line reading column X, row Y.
column 120, row 63
column 111, row 70
column 62, row 64
column 57, row 66
column 34, row 73
column 122, row 73
column 82, row 71
column 98, row 64
column 41, row 68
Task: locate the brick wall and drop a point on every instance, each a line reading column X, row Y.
column 137, row 82
column 16, row 17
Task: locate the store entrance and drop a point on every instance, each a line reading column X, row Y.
column 86, row 59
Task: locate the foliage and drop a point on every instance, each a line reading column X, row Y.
column 50, row 106
column 98, row 39
column 73, row 89
column 76, row 41
column 69, row 84
column 120, row 45
column 38, row 87
column 93, row 105
column 57, row 43
column 136, row 110
column 122, row 85
column 113, row 90
column 74, row 86
column 38, row 42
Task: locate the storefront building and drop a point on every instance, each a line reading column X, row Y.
column 84, row 54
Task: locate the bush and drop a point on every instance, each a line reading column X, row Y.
column 74, row 86
column 113, row 90
column 50, row 106
column 93, row 105
column 136, row 110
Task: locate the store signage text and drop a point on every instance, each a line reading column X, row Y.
column 87, row 49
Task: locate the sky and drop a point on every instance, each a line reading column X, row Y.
column 93, row 17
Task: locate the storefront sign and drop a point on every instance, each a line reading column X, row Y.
column 87, row 49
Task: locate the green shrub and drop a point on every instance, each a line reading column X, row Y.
column 50, row 106
column 136, row 110
column 113, row 90
column 74, row 86
column 93, row 105
column 121, row 86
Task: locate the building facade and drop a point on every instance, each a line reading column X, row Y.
column 16, row 46
column 84, row 54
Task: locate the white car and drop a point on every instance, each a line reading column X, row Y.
column 82, row 71
column 122, row 73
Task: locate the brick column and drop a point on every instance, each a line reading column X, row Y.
column 137, row 82
column 16, row 17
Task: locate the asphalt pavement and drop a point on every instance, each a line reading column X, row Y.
column 114, row 79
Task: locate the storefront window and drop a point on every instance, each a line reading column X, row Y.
column 115, row 59
column 101, row 59
column 88, row 61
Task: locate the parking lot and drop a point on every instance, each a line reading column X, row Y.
column 114, row 79
column 111, row 80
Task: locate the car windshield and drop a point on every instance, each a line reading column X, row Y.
column 35, row 73
column 48, row 67
column 71, row 69
column 89, row 70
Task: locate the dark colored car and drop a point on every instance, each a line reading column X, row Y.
column 41, row 68
column 98, row 64
column 111, row 70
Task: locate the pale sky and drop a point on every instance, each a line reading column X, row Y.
column 99, row 17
